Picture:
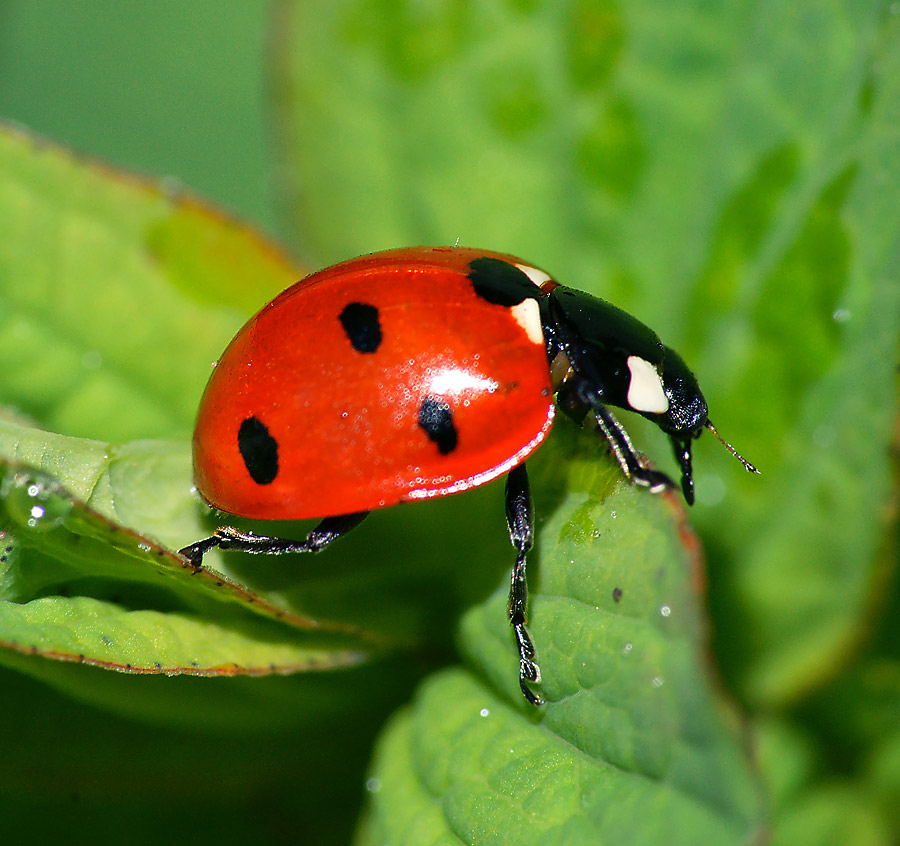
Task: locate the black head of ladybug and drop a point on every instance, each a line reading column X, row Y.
column 610, row 358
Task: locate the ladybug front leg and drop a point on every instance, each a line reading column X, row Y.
column 226, row 537
column 520, row 520
column 620, row 444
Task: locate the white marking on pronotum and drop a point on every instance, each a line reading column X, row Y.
column 645, row 391
column 528, row 315
column 539, row 277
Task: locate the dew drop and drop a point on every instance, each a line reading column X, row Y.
column 34, row 500
column 373, row 785
column 485, row 712
column 665, row 610
column 841, row 315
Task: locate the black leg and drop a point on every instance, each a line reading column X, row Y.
column 620, row 444
column 520, row 520
column 682, row 447
column 226, row 537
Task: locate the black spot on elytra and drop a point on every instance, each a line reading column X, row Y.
column 259, row 451
column 362, row 327
column 500, row 282
column 436, row 418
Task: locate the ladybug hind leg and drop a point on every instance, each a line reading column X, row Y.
column 520, row 520
column 227, row 537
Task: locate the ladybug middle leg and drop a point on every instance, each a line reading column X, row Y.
column 520, row 520
column 227, row 537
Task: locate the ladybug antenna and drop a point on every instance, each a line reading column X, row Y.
column 747, row 465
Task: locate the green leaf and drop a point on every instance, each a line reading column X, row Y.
column 127, row 291
column 115, row 296
column 104, row 634
column 76, row 586
column 636, row 743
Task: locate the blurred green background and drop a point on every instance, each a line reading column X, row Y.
column 167, row 89
column 728, row 172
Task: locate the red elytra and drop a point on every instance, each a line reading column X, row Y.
column 346, row 423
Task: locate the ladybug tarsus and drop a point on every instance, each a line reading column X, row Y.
column 529, row 671
column 195, row 552
column 531, row 697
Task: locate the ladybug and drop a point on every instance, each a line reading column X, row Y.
column 422, row 372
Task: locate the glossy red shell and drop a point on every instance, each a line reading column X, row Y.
column 345, row 422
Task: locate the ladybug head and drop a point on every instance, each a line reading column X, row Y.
column 686, row 414
column 686, row 417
